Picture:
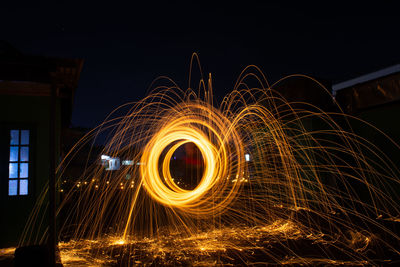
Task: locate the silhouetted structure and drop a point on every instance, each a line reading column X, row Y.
column 375, row 98
column 36, row 95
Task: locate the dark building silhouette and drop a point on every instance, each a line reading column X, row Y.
column 304, row 89
column 369, row 92
column 29, row 120
column 374, row 98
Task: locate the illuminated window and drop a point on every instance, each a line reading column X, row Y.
column 18, row 164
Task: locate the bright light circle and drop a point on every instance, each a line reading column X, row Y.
column 222, row 153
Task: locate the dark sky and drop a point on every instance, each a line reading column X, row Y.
column 125, row 46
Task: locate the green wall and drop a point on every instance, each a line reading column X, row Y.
column 31, row 112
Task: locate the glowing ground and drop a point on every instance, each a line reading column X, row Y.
column 281, row 243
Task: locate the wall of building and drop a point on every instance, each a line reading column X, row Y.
column 30, row 112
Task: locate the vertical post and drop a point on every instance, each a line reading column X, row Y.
column 52, row 240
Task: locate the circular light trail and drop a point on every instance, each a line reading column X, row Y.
column 221, row 150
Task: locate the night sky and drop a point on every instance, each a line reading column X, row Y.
column 126, row 46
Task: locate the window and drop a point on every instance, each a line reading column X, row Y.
column 18, row 165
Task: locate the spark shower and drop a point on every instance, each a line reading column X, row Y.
column 312, row 191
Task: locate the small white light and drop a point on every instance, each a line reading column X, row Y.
column 247, row 157
column 127, row 162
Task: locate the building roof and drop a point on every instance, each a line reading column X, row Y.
column 18, row 67
column 366, row 78
column 32, row 75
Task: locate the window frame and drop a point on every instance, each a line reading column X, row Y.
column 31, row 161
column 19, row 162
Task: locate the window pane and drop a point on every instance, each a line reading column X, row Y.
column 12, row 187
column 24, row 153
column 14, row 137
column 13, row 170
column 13, row 153
column 23, row 187
column 25, row 137
column 23, row 170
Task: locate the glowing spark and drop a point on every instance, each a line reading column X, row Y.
column 119, row 242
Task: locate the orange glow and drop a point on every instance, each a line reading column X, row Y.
column 268, row 177
column 187, row 128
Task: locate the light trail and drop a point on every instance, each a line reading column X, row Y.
column 323, row 187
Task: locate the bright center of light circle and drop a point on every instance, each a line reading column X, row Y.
column 163, row 188
column 219, row 146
